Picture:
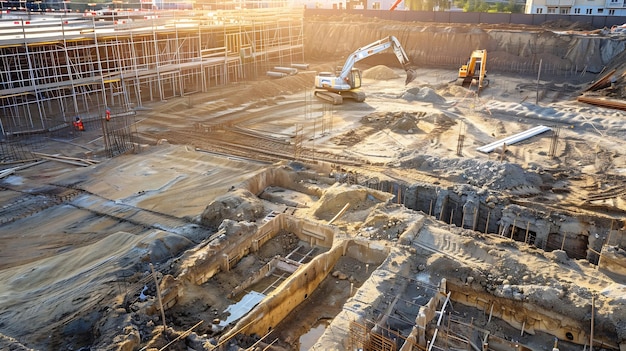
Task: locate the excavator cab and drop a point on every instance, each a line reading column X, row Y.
column 354, row 78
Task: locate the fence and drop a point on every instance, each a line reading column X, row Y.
column 473, row 17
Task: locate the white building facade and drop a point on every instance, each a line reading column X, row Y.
column 577, row 7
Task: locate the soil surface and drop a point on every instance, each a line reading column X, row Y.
column 76, row 241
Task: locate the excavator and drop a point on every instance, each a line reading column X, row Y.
column 333, row 88
column 475, row 71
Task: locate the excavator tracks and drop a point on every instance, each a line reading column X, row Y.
column 329, row 97
column 337, row 98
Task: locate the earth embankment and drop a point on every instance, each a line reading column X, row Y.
column 443, row 44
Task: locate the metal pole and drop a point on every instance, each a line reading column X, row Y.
column 538, row 75
column 593, row 303
column 158, row 290
column 513, row 228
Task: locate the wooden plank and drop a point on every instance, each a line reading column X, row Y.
column 89, row 162
column 601, row 82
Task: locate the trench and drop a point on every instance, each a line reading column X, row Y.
column 581, row 237
column 298, row 297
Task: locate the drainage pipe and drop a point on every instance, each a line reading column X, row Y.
column 288, row 70
column 276, row 74
column 514, row 139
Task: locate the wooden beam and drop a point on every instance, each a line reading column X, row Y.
column 602, row 102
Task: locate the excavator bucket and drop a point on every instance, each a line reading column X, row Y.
column 410, row 75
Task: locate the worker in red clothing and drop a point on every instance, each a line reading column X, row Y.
column 78, row 124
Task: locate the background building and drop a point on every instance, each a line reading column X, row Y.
column 577, row 7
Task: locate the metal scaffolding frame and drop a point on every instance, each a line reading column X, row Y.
column 55, row 70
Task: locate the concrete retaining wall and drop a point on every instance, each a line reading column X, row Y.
column 299, row 286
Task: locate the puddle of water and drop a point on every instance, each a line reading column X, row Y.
column 241, row 308
column 309, row 339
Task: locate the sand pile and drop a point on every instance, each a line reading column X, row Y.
column 380, row 72
column 361, row 202
column 400, row 122
column 238, row 205
column 424, row 94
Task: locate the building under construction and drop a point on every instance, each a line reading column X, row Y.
column 96, row 67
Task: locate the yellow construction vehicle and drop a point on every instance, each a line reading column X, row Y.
column 475, row 71
column 345, row 83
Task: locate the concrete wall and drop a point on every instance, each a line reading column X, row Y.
column 299, row 286
column 288, row 179
column 582, row 235
column 201, row 264
column 613, row 260
column 531, row 317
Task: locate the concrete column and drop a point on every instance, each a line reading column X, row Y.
column 226, row 263
column 255, row 245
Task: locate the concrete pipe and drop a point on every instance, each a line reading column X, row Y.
column 276, row 74
column 288, row 70
column 300, row 65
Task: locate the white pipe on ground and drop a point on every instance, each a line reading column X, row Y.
column 300, row 65
column 276, row 74
column 288, row 70
column 514, row 139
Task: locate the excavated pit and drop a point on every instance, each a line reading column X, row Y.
column 276, row 279
column 510, row 255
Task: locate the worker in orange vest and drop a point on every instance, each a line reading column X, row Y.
column 78, row 124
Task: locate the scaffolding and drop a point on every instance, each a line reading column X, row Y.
column 57, row 69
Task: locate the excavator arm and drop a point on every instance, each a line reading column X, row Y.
column 395, row 4
column 376, row 48
column 333, row 87
column 475, row 71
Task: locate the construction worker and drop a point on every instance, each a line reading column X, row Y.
column 78, row 124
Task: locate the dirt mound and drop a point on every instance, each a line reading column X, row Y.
column 380, row 72
column 361, row 201
column 400, row 122
column 475, row 172
column 238, row 205
column 424, row 94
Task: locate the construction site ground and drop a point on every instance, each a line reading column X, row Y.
column 76, row 239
